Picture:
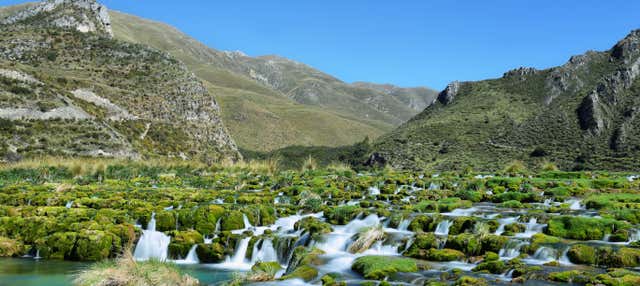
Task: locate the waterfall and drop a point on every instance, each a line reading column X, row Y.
column 443, row 228
column 266, row 253
column 511, row 249
column 564, row 259
column 69, row 204
column 542, row 255
column 152, row 244
column 505, row 221
column 247, row 224
column 37, row 254
column 208, row 240
column 192, row 257
column 532, row 227
column 374, row 191
column 404, row 225
column 575, row 205
column 241, row 251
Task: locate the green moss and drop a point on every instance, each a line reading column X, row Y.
column 422, row 223
column 211, row 253
column 232, row 220
column 380, row 267
column 468, row 243
column 304, row 272
column 582, row 254
column 94, row 245
column 491, row 266
column 444, row 254
column 582, row 228
column 572, row 276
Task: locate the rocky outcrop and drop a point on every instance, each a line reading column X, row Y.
column 88, row 16
column 590, row 114
column 521, row 73
column 449, row 93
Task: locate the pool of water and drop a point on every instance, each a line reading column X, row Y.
column 31, row 272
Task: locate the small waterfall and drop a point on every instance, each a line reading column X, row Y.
column 443, row 228
column 37, row 254
column 575, row 205
column 634, row 236
column 511, row 249
column 241, row 251
column 532, row 227
column 404, row 225
column 505, row 221
column 152, row 244
column 69, row 204
column 192, row 257
column 564, row 258
column 208, row 240
column 247, row 224
column 266, row 253
column 374, row 191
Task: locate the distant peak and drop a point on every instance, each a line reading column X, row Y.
column 81, row 15
column 628, row 48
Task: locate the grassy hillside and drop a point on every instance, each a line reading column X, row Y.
column 271, row 112
column 581, row 115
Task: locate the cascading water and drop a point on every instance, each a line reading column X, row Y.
column 511, row 249
column 266, row 252
column 532, row 227
column 69, row 204
column 404, row 225
column 192, row 257
column 152, row 244
column 443, row 228
column 505, row 221
column 542, row 255
column 575, row 205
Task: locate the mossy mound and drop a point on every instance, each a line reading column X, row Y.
column 380, row 267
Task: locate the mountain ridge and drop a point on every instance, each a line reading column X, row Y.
column 570, row 115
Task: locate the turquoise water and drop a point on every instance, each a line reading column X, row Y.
column 30, row 272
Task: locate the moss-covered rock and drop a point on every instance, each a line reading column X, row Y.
column 423, row 223
column 582, row 254
column 380, row 267
column 466, row 242
column 421, row 244
column 232, row 220
column 583, row 228
column 313, row 226
column 211, row 253
column 571, row 276
column 443, row 255
column 182, row 241
column 491, row 266
column 94, row 245
column 304, row 272
column 264, row 271
column 165, row 221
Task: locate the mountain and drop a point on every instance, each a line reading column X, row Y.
column 270, row 102
column 581, row 115
column 67, row 87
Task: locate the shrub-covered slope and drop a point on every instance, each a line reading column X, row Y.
column 68, row 88
column 579, row 115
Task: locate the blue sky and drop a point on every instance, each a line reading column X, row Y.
column 408, row 43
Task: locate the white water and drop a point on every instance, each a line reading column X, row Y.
column 265, row 254
column 542, row 255
column 69, row 204
column 564, row 259
column 575, row 204
column 404, row 225
column 532, row 227
column 152, row 244
column 192, row 257
column 374, row 191
column 461, row 212
column 238, row 261
column 443, row 228
column 511, row 249
column 505, row 221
